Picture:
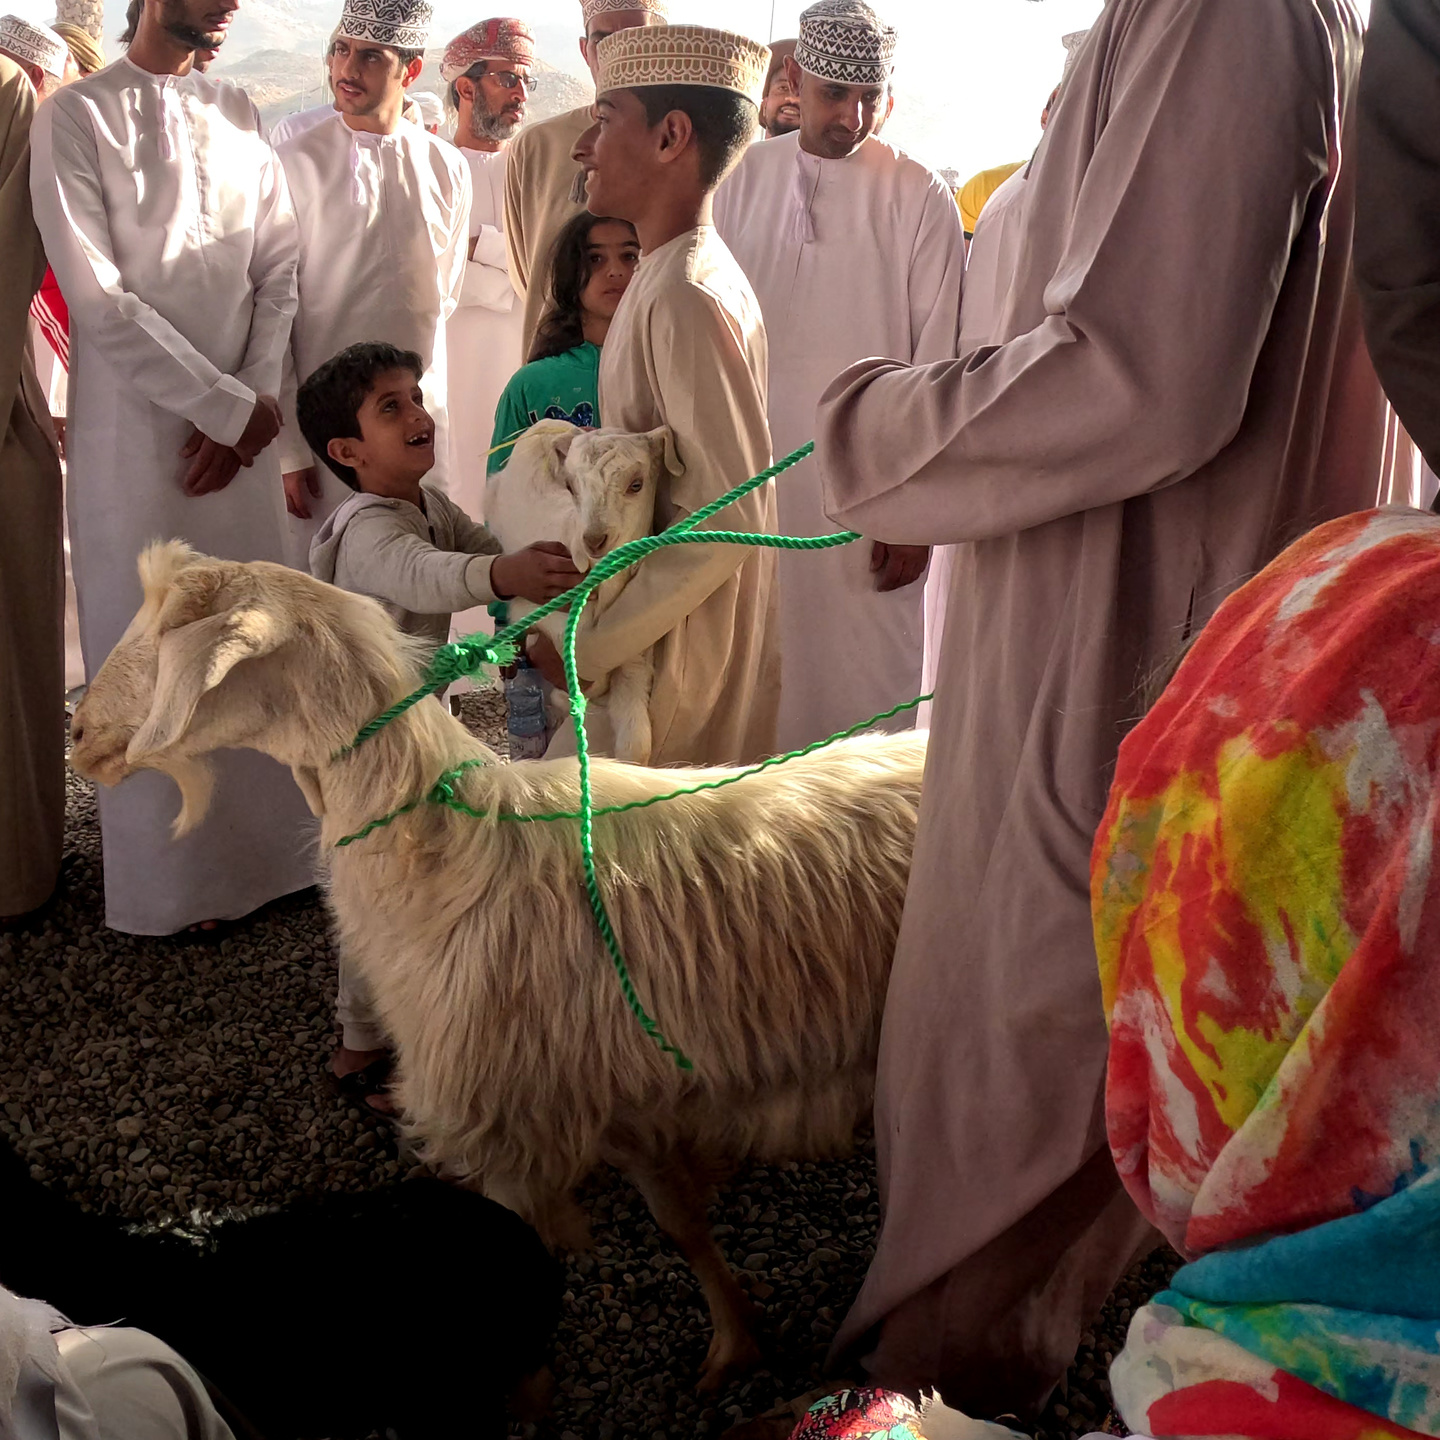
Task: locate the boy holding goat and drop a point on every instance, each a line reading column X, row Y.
column 398, row 540
column 409, row 546
column 677, row 105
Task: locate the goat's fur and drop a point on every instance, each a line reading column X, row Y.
column 594, row 490
column 758, row 920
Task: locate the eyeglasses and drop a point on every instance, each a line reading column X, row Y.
column 509, row 79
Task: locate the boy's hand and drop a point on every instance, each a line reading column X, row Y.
column 537, row 573
column 296, row 483
column 896, row 566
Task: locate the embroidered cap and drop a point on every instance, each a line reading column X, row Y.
column 845, row 41
column 34, row 45
column 401, row 24
column 509, row 40
column 1072, row 43
column 683, row 55
column 595, row 8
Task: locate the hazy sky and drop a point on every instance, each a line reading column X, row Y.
column 972, row 74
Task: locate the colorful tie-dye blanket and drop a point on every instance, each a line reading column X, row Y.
column 1266, row 891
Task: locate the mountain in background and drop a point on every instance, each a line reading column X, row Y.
column 275, row 47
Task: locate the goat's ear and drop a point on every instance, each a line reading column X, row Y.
column 194, row 658
column 307, row 777
column 662, row 450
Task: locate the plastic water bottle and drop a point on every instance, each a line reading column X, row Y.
column 525, row 712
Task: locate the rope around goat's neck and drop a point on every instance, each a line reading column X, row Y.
column 467, row 656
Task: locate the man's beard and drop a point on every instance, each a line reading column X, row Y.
column 780, row 126
column 177, row 26
column 487, row 126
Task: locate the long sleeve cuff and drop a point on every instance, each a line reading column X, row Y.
column 224, row 411
column 295, row 454
column 477, row 579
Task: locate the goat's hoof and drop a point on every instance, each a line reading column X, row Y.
column 730, row 1357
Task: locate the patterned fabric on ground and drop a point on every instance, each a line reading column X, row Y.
column 860, row 1415
column 1267, row 917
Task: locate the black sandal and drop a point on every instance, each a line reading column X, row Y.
column 360, row 1086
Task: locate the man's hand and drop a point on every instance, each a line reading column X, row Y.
column 297, row 483
column 213, row 466
column 896, row 566
column 538, row 573
column 262, row 427
column 546, row 658
column 57, row 422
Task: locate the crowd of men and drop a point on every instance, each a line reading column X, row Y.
column 1153, row 380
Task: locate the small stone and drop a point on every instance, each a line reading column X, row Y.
column 624, row 1324
column 128, row 1127
column 758, row 1261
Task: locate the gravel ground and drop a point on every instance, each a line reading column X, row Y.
column 148, row 1077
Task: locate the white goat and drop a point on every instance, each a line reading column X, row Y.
column 758, row 920
column 593, row 490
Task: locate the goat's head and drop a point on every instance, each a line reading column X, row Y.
column 224, row 655
column 611, row 476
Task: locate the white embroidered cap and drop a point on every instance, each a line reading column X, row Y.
column 683, row 55
column 1072, row 43
column 593, row 8
column 34, row 45
column 401, row 24
column 845, row 41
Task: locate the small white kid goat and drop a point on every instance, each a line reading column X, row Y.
column 593, row 490
column 758, row 920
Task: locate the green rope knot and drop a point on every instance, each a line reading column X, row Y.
column 463, row 658
column 443, row 791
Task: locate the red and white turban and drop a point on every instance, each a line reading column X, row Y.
column 508, row 40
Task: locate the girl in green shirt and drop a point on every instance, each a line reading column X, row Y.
column 593, row 261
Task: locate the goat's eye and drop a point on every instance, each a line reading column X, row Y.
column 636, row 486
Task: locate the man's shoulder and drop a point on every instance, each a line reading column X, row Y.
column 885, row 157
column 766, row 157
column 548, row 134
column 441, row 155
column 313, row 137
column 704, row 279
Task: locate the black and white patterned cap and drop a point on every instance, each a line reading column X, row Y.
column 401, row 24
column 847, row 42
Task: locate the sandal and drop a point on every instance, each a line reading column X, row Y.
column 361, row 1086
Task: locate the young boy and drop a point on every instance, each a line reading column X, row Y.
column 402, row 542
column 677, row 106
column 412, row 548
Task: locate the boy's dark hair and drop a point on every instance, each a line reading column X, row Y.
column 406, row 56
column 724, row 122
column 563, row 326
column 132, row 22
column 328, row 403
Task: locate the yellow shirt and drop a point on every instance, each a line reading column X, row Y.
column 973, row 194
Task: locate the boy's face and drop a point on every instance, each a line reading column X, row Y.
column 621, row 155
column 397, row 435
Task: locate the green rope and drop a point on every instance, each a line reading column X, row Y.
column 468, row 656
column 443, row 791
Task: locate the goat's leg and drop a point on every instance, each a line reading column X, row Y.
column 629, row 705
column 676, row 1198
